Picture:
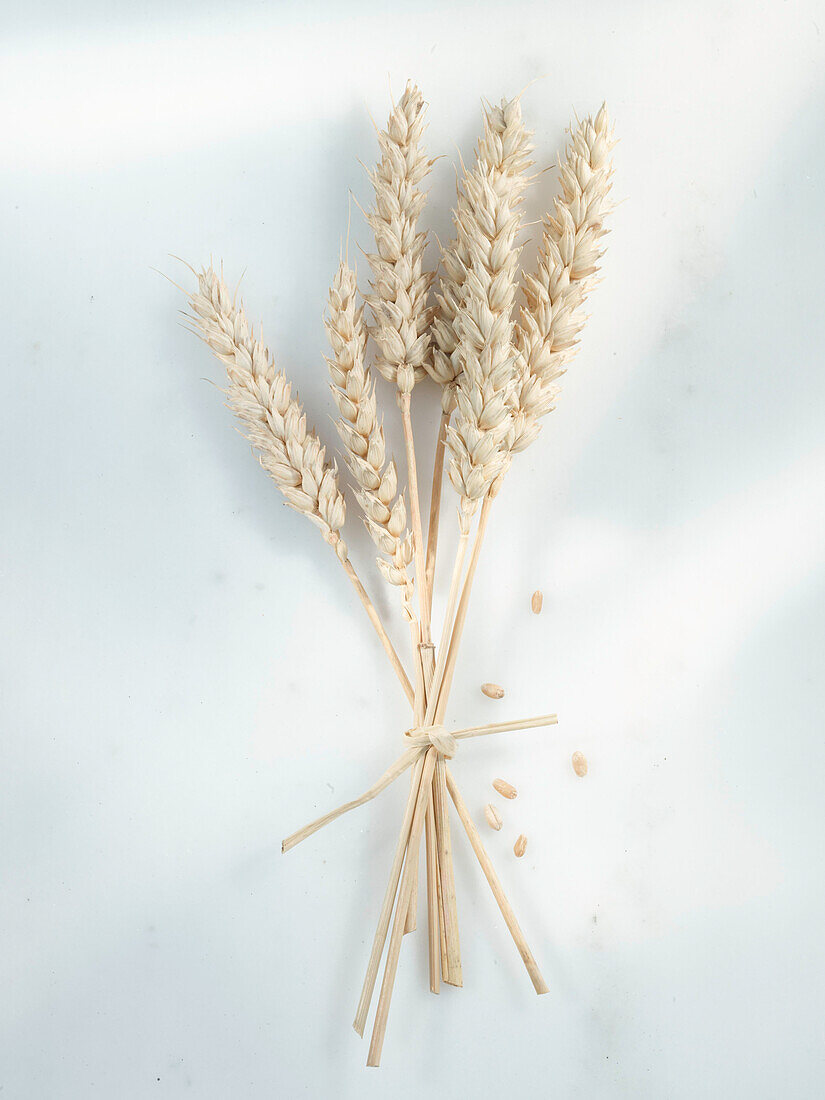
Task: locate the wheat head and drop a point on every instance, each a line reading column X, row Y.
column 399, row 284
column 363, row 436
column 271, row 418
column 504, row 148
column 487, row 222
column 547, row 335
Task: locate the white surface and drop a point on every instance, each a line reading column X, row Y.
column 187, row 677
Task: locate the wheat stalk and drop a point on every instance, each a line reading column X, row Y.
column 503, row 150
column 401, row 332
column 361, row 433
column 547, row 335
column 275, row 424
column 400, row 286
column 365, row 455
column 487, row 221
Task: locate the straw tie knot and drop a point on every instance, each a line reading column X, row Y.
column 436, row 736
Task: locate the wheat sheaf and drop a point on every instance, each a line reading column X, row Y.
column 497, row 340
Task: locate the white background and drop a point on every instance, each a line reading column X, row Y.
column 187, row 677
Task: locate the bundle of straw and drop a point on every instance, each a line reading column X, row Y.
column 499, row 376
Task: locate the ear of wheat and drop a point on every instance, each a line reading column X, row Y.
column 363, row 437
column 504, row 156
column 399, row 290
column 487, row 221
column 548, row 332
column 273, row 420
column 498, row 376
column 399, row 283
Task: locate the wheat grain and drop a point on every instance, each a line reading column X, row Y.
column 273, row 420
column 399, row 284
column 548, row 330
column 505, row 789
column 487, row 222
column 363, row 436
column 492, row 691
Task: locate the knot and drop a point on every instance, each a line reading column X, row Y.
column 436, row 736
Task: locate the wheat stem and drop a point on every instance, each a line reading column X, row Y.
column 387, row 904
column 390, row 775
column 449, row 915
column 444, row 644
column 506, row 727
column 394, row 949
column 421, row 633
column 504, row 905
column 433, row 908
column 418, row 717
column 384, row 638
column 446, row 897
column 415, row 515
column 435, row 509
column 461, row 613
column 414, row 855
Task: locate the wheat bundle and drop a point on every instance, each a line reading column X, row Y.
column 499, row 375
